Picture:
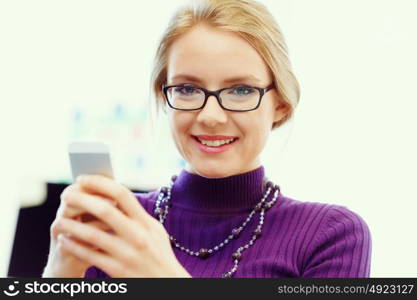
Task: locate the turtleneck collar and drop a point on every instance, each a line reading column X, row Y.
column 227, row 194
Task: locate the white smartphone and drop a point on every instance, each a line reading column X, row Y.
column 90, row 158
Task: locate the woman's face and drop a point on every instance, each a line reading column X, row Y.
column 213, row 57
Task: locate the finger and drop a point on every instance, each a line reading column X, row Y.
column 125, row 199
column 72, row 187
column 96, row 258
column 99, row 225
column 110, row 244
column 68, row 235
column 107, row 213
column 56, row 229
column 64, row 209
column 86, row 217
column 72, row 212
column 75, row 213
column 79, row 214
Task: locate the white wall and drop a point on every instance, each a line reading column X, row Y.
column 352, row 141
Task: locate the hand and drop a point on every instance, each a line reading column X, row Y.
column 62, row 263
column 138, row 245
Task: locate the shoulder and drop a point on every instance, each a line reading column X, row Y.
column 319, row 224
column 333, row 240
column 328, row 215
column 344, row 216
column 345, row 226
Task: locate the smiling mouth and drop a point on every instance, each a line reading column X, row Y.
column 215, row 143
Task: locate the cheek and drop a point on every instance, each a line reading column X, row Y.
column 256, row 137
column 180, row 124
column 176, row 122
column 256, row 130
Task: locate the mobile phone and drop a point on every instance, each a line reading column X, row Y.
column 89, row 158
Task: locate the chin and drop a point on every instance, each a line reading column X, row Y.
column 213, row 171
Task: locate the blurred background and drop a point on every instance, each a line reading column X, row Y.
column 80, row 71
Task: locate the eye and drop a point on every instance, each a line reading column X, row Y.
column 186, row 90
column 242, row 90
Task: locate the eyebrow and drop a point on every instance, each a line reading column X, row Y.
column 226, row 81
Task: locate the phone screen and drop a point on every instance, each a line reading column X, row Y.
column 90, row 158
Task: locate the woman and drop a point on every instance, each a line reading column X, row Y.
column 223, row 76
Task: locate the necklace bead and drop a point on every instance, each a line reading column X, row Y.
column 203, row 253
column 159, row 211
column 267, row 206
column 172, row 240
column 237, row 256
column 257, row 232
column 269, row 184
column 258, row 207
column 236, row 231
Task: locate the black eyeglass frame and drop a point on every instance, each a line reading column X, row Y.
column 207, row 94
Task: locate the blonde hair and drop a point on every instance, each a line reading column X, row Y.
column 247, row 18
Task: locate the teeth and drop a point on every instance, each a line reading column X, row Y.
column 216, row 143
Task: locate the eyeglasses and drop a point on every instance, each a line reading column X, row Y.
column 238, row 98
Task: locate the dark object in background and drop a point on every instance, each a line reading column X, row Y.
column 31, row 242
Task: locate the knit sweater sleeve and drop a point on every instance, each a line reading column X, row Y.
column 94, row 272
column 341, row 248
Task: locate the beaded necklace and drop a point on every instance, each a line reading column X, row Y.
column 164, row 198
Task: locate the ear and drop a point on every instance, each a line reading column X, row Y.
column 282, row 109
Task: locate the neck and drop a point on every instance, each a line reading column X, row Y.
column 218, row 173
column 234, row 193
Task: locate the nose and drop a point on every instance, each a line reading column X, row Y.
column 212, row 113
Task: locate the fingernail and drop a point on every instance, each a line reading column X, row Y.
column 63, row 236
column 79, row 178
column 60, row 236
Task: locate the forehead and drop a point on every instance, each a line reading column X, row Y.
column 214, row 55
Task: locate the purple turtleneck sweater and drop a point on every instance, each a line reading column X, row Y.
column 298, row 239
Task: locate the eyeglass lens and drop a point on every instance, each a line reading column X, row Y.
column 236, row 98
